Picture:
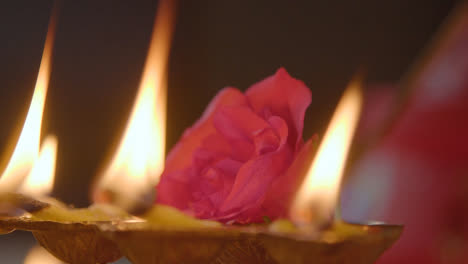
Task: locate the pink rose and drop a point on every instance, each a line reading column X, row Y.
column 242, row 160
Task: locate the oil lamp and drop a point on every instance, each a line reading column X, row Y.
column 171, row 237
column 162, row 234
column 70, row 234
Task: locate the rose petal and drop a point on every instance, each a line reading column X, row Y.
column 281, row 128
column 236, row 149
column 238, row 122
column 253, row 181
column 174, row 186
column 229, row 166
column 173, row 189
column 254, row 178
column 217, row 144
column 266, row 141
column 203, row 208
column 181, row 155
column 240, row 125
column 283, row 96
column 281, row 192
column 270, row 139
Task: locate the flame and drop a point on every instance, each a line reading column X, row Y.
column 139, row 159
column 27, row 147
column 38, row 255
column 41, row 178
column 318, row 195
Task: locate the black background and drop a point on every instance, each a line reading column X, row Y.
column 101, row 47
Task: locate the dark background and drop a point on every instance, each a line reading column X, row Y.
column 101, row 47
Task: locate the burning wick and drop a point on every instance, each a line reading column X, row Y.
column 40, row 180
column 318, row 195
column 135, row 168
column 25, row 159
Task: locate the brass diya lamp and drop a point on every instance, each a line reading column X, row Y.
column 169, row 236
column 278, row 242
column 162, row 234
column 69, row 234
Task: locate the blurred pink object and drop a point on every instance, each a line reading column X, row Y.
column 239, row 162
column 418, row 175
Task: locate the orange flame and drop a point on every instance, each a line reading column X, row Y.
column 27, row 147
column 318, row 195
column 41, row 178
column 139, row 160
